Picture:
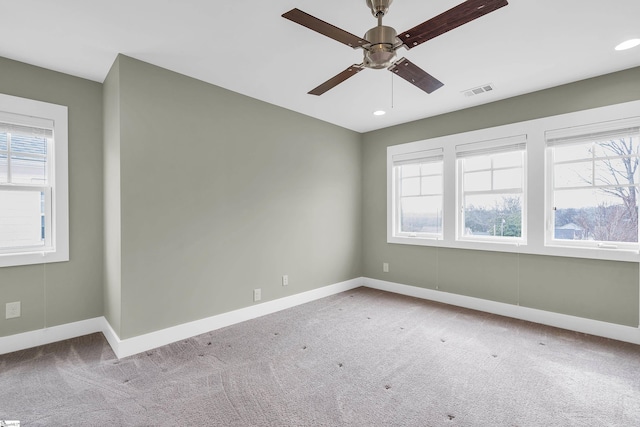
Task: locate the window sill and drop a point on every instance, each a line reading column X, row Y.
column 607, row 254
column 31, row 258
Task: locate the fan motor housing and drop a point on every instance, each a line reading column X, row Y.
column 381, row 51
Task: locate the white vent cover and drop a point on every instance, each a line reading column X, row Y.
column 478, row 90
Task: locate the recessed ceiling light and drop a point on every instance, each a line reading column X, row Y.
column 379, row 113
column 628, row 44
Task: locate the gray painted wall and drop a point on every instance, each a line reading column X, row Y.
column 62, row 292
column 267, row 192
column 600, row 290
column 221, row 194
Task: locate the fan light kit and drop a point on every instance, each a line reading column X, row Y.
column 381, row 43
column 379, row 113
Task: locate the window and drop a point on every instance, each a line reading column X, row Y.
column 418, row 178
column 491, row 189
column 33, row 182
column 593, row 185
column 565, row 185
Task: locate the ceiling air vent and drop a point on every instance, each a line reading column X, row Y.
column 478, row 90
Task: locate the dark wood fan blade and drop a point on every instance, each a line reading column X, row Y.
column 336, row 80
column 415, row 75
column 315, row 24
column 447, row 21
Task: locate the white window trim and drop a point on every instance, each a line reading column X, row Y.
column 411, row 158
column 516, row 142
column 536, row 201
column 582, row 134
column 60, row 210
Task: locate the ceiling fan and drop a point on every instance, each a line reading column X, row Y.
column 381, row 42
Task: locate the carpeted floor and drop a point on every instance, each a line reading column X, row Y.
column 359, row 358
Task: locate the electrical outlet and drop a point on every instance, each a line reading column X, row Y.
column 385, row 267
column 12, row 310
column 257, row 294
column 285, row 280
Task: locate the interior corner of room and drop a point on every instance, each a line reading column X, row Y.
column 185, row 198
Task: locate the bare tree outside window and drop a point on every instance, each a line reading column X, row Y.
column 601, row 203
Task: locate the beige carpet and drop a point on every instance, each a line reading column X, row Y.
column 360, row 358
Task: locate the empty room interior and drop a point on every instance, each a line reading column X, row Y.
column 467, row 255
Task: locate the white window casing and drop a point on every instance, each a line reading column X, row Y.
column 34, row 223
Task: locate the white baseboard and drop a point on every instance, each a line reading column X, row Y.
column 139, row 344
column 573, row 323
column 52, row 334
column 135, row 345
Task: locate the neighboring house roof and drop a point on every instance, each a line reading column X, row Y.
column 570, row 226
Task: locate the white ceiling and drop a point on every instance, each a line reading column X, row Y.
column 246, row 46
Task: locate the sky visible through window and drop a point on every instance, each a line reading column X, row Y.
column 595, row 190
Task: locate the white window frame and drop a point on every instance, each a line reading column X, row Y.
column 583, row 134
column 418, row 157
column 56, row 247
column 516, row 143
column 536, row 204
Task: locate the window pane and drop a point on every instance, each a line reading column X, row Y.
column 477, row 163
column 21, row 219
column 421, row 214
column 477, row 181
column 431, row 168
column 410, row 170
column 609, row 215
column 564, row 153
column 616, row 147
column 432, row 185
column 410, row 187
column 573, row 175
column 507, row 178
column 3, row 141
column 507, row 160
column 25, row 170
column 493, row 215
column 28, row 144
column 616, row 171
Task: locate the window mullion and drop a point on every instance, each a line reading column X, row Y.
column 499, row 191
column 19, row 187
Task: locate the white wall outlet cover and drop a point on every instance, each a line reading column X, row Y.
column 257, row 294
column 285, row 280
column 12, row 310
column 385, row 267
